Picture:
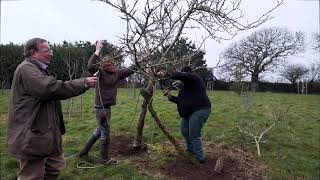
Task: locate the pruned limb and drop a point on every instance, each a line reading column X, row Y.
column 249, row 131
column 173, row 141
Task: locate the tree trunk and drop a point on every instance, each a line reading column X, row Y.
column 258, row 146
column 254, row 82
column 147, row 95
column 164, row 130
column 168, row 135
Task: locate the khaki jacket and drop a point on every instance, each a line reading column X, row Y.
column 35, row 121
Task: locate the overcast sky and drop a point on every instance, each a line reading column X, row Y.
column 89, row 20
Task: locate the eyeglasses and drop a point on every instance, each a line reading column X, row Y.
column 46, row 51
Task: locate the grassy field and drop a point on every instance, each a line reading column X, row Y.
column 292, row 149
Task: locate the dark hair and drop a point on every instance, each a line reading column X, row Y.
column 31, row 46
column 187, row 69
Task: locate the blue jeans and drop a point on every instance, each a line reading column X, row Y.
column 191, row 130
column 103, row 118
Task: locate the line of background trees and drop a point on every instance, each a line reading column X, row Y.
column 70, row 60
column 264, row 50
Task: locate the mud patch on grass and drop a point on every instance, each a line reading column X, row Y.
column 237, row 164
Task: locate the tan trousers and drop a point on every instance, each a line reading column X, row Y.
column 40, row 169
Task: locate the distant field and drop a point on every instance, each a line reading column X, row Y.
column 292, row 149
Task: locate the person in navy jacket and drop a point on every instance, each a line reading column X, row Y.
column 194, row 107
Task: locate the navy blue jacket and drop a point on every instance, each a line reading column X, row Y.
column 193, row 95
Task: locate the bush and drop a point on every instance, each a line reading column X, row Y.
column 313, row 87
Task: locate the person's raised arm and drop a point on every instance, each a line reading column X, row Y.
column 99, row 47
column 93, row 64
column 126, row 72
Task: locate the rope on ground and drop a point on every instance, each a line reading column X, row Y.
column 69, row 157
column 85, row 164
column 89, row 165
column 74, row 155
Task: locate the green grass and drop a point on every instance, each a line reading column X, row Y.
column 291, row 151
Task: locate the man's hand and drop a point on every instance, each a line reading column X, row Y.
column 161, row 73
column 91, row 81
column 99, row 46
column 167, row 93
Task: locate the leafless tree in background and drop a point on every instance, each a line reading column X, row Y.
column 263, row 50
column 72, row 69
column 154, row 26
column 316, row 42
column 294, row 72
column 314, row 72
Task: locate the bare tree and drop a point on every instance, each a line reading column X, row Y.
column 239, row 85
column 314, row 72
column 154, row 27
column 263, row 51
column 316, row 42
column 294, row 72
column 72, row 69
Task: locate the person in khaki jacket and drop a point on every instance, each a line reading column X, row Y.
column 35, row 125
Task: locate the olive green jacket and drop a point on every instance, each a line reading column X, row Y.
column 35, row 122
